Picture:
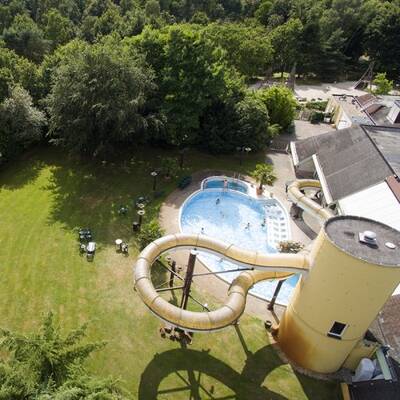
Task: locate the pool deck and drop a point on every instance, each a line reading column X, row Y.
column 216, row 287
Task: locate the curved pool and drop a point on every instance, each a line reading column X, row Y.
column 237, row 218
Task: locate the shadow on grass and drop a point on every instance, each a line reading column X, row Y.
column 90, row 195
column 191, row 367
column 20, row 173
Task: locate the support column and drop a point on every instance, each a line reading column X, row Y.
column 277, row 290
column 188, row 279
column 172, row 275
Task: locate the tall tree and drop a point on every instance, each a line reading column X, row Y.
column 382, row 35
column 286, row 42
column 26, row 38
column 98, row 99
column 189, row 75
column 57, row 28
column 247, row 48
column 16, row 70
column 20, row 123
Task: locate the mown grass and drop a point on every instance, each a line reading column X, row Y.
column 44, row 198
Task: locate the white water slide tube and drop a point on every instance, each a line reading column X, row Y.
column 266, row 266
column 297, row 195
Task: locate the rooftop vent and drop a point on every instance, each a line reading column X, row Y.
column 368, row 237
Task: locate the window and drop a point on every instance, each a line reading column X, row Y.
column 337, row 330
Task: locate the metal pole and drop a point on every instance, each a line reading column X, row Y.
column 277, row 290
column 173, row 272
column 154, row 183
column 188, row 279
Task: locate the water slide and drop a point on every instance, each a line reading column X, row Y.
column 296, row 194
column 266, row 266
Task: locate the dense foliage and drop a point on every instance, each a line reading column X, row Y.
column 98, row 99
column 21, row 123
column 115, row 73
column 48, row 365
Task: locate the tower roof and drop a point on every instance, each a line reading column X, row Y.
column 346, row 231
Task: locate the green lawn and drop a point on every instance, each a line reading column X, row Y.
column 43, row 199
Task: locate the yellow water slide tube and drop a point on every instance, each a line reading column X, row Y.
column 266, row 266
column 296, row 194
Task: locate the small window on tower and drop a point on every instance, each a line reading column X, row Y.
column 337, row 330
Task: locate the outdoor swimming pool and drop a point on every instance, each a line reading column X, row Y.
column 243, row 220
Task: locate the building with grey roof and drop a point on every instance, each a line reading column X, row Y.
column 358, row 168
column 347, row 110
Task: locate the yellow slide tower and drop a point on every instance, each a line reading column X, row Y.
column 354, row 268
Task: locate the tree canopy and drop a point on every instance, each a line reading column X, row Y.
column 111, row 73
column 99, row 99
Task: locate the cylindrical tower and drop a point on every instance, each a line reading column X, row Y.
column 355, row 267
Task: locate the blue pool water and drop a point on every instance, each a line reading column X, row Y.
column 218, row 183
column 227, row 220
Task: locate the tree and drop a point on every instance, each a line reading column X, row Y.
column 21, row 123
column 152, row 9
column 286, row 44
column 281, row 105
column 383, row 85
column 148, row 233
column 57, row 29
column 232, row 123
column 16, row 70
column 98, row 99
column 93, row 27
column 381, row 38
column 48, row 365
column 248, row 49
column 189, row 74
column 263, row 11
column 264, row 174
column 26, row 38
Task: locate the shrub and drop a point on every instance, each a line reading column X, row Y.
column 184, row 182
column 316, row 117
column 290, row 246
column 169, row 167
column 148, row 233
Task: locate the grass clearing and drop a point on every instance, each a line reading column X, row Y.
column 44, row 197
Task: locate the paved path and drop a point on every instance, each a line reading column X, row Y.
column 325, row 90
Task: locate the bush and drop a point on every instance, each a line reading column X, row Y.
column 290, row 246
column 184, row 182
column 148, row 233
column 169, row 167
column 281, row 105
column 317, row 105
column 316, row 117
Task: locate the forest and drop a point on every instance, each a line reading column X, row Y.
column 95, row 76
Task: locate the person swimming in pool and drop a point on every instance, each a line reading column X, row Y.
column 217, row 201
column 263, row 223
